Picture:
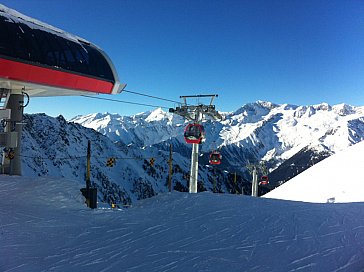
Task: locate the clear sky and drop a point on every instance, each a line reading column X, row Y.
column 290, row 51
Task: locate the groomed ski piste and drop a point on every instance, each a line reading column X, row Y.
column 44, row 226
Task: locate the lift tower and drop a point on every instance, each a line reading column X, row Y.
column 196, row 114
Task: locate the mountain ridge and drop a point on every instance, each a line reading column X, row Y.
column 287, row 139
column 270, row 132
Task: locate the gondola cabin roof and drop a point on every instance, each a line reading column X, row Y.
column 47, row 61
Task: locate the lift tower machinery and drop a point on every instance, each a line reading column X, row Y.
column 194, row 132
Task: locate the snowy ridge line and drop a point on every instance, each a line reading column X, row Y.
column 288, row 138
column 80, row 157
column 55, row 158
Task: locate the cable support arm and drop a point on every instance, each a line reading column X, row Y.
column 199, row 95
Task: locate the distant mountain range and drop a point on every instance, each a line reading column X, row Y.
column 287, row 139
column 260, row 131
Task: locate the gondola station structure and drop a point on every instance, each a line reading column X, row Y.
column 39, row 60
column 194, row 132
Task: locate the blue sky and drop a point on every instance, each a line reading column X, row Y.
column 293, row 51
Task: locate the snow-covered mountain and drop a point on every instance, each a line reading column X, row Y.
column 143, row 129
column 335, row 179
column 288, row 138
column 56, row 148
column 260, row 131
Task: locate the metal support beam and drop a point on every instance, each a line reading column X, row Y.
column 170, row 164
column 89, row 192
column 194, row 169
column 255, row 183
column 12, row 165
column 88, row 165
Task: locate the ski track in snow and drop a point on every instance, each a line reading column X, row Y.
column 175, row 232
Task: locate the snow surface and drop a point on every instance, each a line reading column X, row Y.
column 338, row 178
column 44, row 226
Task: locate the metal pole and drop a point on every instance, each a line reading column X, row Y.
column 15, row 103
column 255, row 183
column 89, row 193
column 170, row 169
column 194, row 159
column 215, row 184
column 88, row 166
column 194, row 169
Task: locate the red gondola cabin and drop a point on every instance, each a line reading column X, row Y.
column 264, row 180
column 215, row 158
column 194, row 134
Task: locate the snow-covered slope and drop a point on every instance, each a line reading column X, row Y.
column 55, row 148
column 45, row 227
column 260, row 131
column 335, row 179
column 52, row 147
column 289, row 137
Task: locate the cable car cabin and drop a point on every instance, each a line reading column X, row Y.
column 264, row 180
column 215, row 158
column 194, row 134
column 48, row 61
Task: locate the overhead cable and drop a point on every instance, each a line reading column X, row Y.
column 126, row 102
column 151, row 96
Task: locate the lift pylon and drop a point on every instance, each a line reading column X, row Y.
column 196, row 114
column 10, row 138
